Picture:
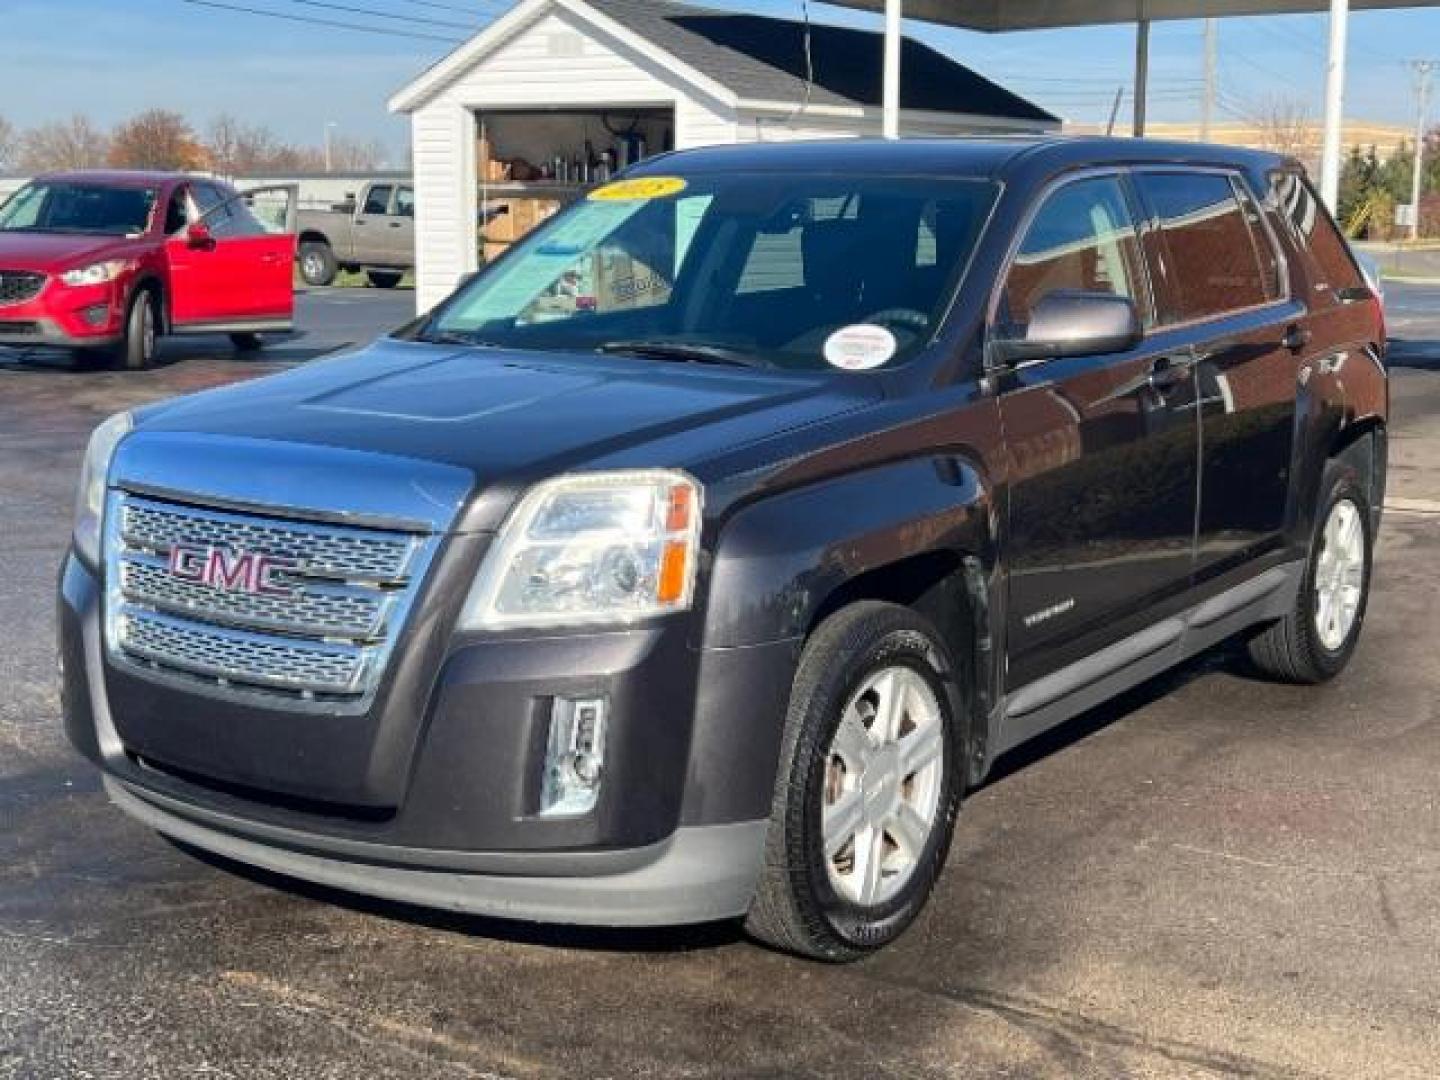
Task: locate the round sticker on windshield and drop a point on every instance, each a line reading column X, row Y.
column 859, row 347
column 642, row 187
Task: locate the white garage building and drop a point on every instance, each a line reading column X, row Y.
column 556, row 94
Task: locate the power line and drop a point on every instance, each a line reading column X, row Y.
column 333, row 24
column 499, row 4
column 369, row 13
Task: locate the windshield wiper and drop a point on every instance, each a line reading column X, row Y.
column 694, row 352
column 455, row 337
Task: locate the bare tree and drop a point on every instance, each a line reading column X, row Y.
column 236, row 148
column 1284, row 126
column 8, row 145
column 65, row 144
column 156, row 139
column 354, row 155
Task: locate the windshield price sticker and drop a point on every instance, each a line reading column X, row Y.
column 859, row 347
column 642, row 187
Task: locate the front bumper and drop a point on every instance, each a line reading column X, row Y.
column 697, row 875
column 677, row 836
column 84, row 317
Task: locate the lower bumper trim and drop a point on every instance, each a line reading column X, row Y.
column 701, row 874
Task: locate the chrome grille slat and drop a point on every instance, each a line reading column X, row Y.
column 355, row 612
column 322, row 550
column 233, row 655
column 330, row 638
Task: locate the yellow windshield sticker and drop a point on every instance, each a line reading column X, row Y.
column 642, row 187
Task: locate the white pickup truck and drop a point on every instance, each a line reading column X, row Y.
column 374, row 232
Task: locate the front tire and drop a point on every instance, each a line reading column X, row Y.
column 1314, row 642
column 869, row 784
column 136, row 350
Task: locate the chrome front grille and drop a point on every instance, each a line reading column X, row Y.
column 322, row 551
column 20, row 286
column 324, row 632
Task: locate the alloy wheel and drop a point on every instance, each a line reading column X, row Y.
column 1339, row 574
column 882, row 785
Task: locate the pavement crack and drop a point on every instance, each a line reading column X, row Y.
column 418, row 1041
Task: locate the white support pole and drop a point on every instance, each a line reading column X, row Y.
column 1142, row 74
column 1334, row 104
column 891, row 125
column 1207, row 104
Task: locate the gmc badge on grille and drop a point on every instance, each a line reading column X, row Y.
column 231, row 569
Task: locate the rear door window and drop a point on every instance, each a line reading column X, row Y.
column 1082, row 239
column 1212, row 263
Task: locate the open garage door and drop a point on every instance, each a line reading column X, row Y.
column 531, row 162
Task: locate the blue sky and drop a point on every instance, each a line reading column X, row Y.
column 112, row 58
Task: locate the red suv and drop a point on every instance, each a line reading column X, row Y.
column 111, row 260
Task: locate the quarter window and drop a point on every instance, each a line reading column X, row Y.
column 1213, row 264
column 1082, row 239
column 1312, row 229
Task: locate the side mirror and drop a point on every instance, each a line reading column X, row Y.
column 1069, row 322
column 198, row 235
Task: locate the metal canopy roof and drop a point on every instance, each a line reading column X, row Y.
column 997, row 15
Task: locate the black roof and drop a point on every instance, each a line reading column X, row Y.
column 979, row 157
column 763, row 59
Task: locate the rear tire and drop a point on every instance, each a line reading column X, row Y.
column 247, row 342
column 136, row 350
column 1314, row 642
column 385, row 279
column 866, row 793
column 318, row 265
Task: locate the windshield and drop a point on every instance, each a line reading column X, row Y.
column 807, row 271
column 78, row 208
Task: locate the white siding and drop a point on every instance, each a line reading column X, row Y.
column 775, row 126
column 443, row 136
column 558, row 61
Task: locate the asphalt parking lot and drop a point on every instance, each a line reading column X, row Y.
column 1212, row 876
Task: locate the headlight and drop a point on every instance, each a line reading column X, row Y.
column 90, row 501
column 98, row 274
column 591, row 548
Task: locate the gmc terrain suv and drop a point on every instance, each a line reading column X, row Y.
column 696, row 558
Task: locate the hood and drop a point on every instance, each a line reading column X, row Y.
column 510, row 418
column 53, row 253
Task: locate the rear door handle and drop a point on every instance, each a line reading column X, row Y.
column 1296, row 337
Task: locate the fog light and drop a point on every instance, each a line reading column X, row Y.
column 574, row 757
column 96, row 314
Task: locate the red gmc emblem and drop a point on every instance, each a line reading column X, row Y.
column 231, row 570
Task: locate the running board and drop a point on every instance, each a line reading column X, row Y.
column 1055, row 698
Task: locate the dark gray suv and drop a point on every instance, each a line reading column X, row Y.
column 694, row 560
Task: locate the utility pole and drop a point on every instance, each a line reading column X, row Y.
column 329, row 157
column 1207, row 106
column 1114, row 111
column 1423, row 69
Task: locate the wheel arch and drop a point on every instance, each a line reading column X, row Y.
column 919, row 532
column 313, row 236
column 152, row 284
